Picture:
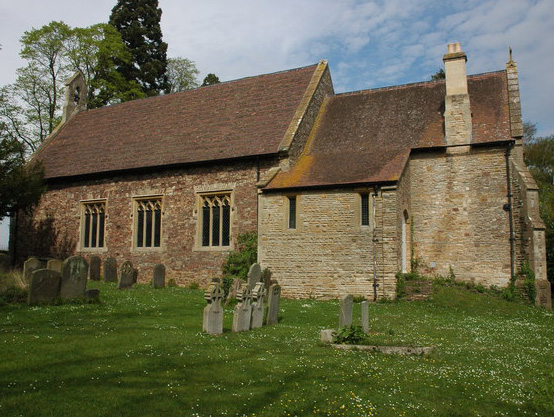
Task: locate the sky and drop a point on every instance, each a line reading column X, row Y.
column 368, row 44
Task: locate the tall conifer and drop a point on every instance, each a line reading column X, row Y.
column 138, row 21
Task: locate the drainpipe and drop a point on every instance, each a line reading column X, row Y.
column 509, row 208
column 374, row 239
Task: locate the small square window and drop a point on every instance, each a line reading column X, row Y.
column 148, row 223
column 93, row 224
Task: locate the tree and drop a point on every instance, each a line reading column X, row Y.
column 21, row 186
column 181, row 74
column 31, row 107
column 138, row 21
column 439, row 75
column 210, row 79
column 539, row 157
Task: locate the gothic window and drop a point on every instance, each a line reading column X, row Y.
column 93, row 224
column 216, row 220
column 148, row 222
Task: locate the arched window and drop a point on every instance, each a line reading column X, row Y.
column 216, row 220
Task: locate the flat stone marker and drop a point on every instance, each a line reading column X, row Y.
column 92, row 295
column 94, row 269
column 44, row 286
column 254, row 276
column 243, row 311
column 30, row 266
column 213, row 312
column 54, row 265
column 158, row 279
column 258, row 297
column 110, row 270
column 346, row 305
column 273, row 301
column 365, row 316
column 74, row 278
column 127, row 277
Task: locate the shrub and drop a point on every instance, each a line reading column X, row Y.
column 350, row 335
column 238, row 262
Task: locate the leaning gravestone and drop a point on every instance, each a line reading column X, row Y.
column 94, row 270
column 158, row 279
column 31, row 265
column 273, row 300
column 110, row 270
column 243, row 311
column 54, row 265
column 258, row 296
column 213, row 312
column 346, row 305
column 74, row 278
column 44, row 286
column 365, row 316
column 126, row 278
column 254, row 276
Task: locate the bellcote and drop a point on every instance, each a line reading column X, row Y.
column 75, row 96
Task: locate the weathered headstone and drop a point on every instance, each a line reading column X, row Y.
column 158, row 279
column 94, row 269
column 346, row 305
column 135, row 276
column 243, row 311
column 54, row 265
column 92, row 295
column 365, row 316
column 126, row 278
column 234, row 290
column 31, row 265
column 258, row 297
column 74, row 278
column 44, row 286
column 5, row 262
column 110, row 270
column 266, row 278
column 254, row 276
column 273, row 301
column 213, row 312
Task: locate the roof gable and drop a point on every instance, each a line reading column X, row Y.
column 367, row 136
column 242, row 118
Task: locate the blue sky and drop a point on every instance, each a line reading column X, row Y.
column 368, row 43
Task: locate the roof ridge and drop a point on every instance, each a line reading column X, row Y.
column 414, row 84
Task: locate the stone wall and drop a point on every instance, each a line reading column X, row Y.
column 329, row 253
column 457, row 200
column 55, row 228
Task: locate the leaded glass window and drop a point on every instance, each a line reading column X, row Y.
column 93, row 224
column 216, row 220
column 148, row 223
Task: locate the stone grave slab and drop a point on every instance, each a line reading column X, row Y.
column 94, row 268
column 110, row 270
column 258, row 306
column 54, row 265
column 127, row 275
column 273, row 301
column 31, row 265
column 346, row 306
column 44, row 286
column 158, row 278
column 74, row 278
column 213, row 312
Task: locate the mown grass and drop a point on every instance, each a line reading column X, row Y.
column 142, row 352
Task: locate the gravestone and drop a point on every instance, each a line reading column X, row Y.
column 135, row 276
column 74, row 278
column 273, row 301
column 92, row 295
column 346, row 305
column 365, row 316
column 266, row 278
column 254, row 276
column 127, row 275
column 213, row 312
column 31, row 265
column 94, row 270
column 110, row 270
column 158, row 279
column 234, row 290
column 243, row 311
column 44, row 286
column 54, row 265
column 258, row 297
column 5, row 262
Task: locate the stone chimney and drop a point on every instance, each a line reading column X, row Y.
column 457, row 115
column 75, row 96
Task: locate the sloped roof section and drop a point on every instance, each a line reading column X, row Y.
column 366, row 136
column 242, row 118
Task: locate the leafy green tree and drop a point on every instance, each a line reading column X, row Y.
column 439, row 75
column 210, row 79
column 181, row 74
column 539, row 157
column 138, row 21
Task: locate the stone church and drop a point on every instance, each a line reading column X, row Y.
column 344, row 190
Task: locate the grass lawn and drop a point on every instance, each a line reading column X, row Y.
column 141, row 352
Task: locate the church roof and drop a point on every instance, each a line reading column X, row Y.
column 242, row 118
column 367, row 136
